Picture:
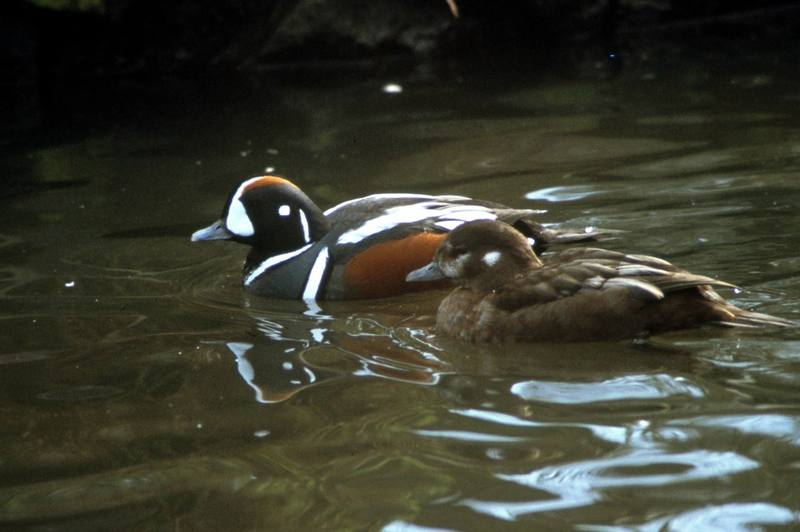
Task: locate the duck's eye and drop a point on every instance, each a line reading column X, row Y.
column 456, row 251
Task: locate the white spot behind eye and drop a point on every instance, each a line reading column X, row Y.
column 237, row 221
column 491, row 258
column 284, row 210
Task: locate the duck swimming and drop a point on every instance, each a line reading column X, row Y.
column 362, row 248
column 505, row 292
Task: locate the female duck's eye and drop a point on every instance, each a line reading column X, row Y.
column 458, row 250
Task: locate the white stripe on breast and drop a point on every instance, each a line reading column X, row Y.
column 271, row 262
column 315, row 276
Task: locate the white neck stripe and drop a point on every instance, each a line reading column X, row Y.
column 315, row 276
column 304, row 223
column 272, row 261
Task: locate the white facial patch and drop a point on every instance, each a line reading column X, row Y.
column 237, row 221
column 436, row 211
column 284, row 210
column 454, row 269
column 491, row 258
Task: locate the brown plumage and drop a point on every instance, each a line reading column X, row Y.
column 505, row 292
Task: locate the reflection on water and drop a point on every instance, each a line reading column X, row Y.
column 141, row 388
column 617, row 389
column 582, row 483
column 317, row 348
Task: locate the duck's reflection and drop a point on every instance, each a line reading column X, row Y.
column 315, row 348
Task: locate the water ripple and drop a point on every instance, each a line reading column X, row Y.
column 732, row 517
column 579, row 484
column 640, row 434
column 464, row 435
column 618, row 389
column 775, row 426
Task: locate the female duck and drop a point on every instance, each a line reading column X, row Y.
column 505, row 292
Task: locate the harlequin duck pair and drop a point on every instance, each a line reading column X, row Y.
column 362, row 248
column 368, row 247
column 506, row 292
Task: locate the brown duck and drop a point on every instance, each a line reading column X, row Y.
column 506, row 293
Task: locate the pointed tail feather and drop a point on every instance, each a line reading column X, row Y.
column 746, row 318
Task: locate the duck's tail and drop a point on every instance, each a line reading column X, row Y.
column 746, row 318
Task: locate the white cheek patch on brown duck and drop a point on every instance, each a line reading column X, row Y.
column 454, row 269
column 491, row 258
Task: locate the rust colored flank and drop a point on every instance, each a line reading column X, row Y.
column 381, row 269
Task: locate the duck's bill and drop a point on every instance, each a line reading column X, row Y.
column 430, row 272
column 215, row 231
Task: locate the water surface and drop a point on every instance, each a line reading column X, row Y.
column 141, row 389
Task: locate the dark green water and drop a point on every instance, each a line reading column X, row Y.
column 141, row 390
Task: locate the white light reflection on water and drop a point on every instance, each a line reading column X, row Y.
column 607, row 433
column 621, row 388
column 559, row 194
column 582, row 483
column 734, row 517
column 465, row 435
column 402, row 526
column 775, row 426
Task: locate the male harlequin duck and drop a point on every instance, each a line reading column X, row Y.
column 361, row 248
column 505, row 292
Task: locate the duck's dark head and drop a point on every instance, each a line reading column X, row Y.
column 269, row 213
column 480, row 255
